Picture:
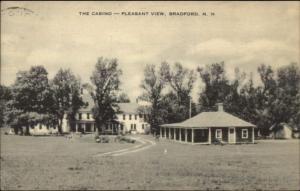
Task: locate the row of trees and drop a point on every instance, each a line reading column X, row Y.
column 34, row 99
column 277, row 100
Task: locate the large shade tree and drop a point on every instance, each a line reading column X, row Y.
column 67, row 99
column 32, row 97
column 153, row 85
column 106, row 82
column 181, row 81
column 216, row 85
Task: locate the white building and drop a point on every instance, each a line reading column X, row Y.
column 129, row 119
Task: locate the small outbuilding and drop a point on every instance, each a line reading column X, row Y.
column 284, row 131
column 209, row 127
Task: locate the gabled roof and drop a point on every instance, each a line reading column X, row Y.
column 282, row 125
column 212, row 119
column 128, row 108
column 87, row 99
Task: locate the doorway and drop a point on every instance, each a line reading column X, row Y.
column 231, row 136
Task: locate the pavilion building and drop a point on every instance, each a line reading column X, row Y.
column 209, row 127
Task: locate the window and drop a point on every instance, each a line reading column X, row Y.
column 88, row 116
column 79, row 115
column 131, row 126
column 202, row 133
column 135, row 117
column 130, row 117
column 143, row 126
column 141, row 115
column 231, row 130
column 244, row 133
column 124, row 116
column 219, row 133
column 134, row 125
column 40, row 126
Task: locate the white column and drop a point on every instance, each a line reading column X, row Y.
column 253, row 135
column 160, row 134
column 180, row 135
column 165, row 132
column 174, row 134
column 169, row 133
column 112, row 128
column 185, row 134
column 76, row 127
column 209, row 135
column 84, row 129
column 192, row 135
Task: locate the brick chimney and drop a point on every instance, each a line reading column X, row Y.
column 220, row 107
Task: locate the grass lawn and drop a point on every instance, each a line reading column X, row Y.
column 59, row 163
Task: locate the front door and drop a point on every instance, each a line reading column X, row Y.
column 231, row 135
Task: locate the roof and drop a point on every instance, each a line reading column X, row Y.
column 129, row 108
column 282, row 125
column 90, row 102
column 212, row 119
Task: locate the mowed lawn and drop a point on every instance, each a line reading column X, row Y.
column 60, row 163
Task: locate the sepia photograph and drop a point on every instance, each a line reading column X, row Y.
column 154, row 95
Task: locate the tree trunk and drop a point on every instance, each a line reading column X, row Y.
column 59, row 127
column 27, row 130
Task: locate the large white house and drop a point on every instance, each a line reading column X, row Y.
column 129, row 119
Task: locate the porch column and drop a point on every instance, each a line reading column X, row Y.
column 76, row 127
column 209, row 135
column 112, row 128
column 253, row 135
column 192, row 135
column 185, row 133
column 84, row 129
column 180, row 135
column 160, row 134
column 165, row 133
column 174, row 137
column 95, row 128
column 169, row 133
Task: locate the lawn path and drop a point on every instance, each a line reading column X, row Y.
column 145, row 144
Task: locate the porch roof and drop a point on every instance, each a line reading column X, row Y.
column 211, row 119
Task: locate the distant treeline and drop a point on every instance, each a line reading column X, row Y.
column 33, row 98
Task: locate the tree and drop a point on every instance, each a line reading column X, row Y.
column 181, row 81
column 153, row 85
column 123, row 98
column 106, row 80
column 287, row 105
column 233, row 100
column 5, row 96
column 216, row 85
column 66, row 90
column 31, row 94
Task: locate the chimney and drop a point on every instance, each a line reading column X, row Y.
column 220, row 107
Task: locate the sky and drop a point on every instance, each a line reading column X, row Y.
column 54, row 34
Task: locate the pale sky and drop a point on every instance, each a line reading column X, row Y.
column 243, row 34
